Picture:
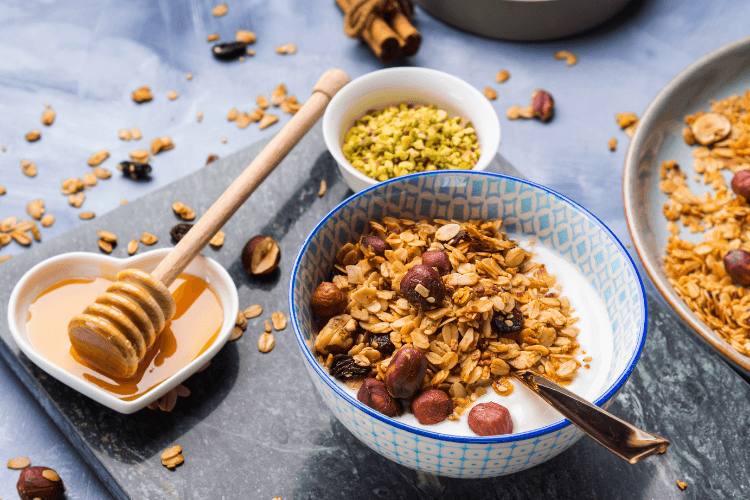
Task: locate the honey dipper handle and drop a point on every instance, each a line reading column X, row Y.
column 193, row 242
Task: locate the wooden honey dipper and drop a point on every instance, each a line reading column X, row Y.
column 114, row 333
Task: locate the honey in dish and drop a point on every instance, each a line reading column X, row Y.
column 191, row 331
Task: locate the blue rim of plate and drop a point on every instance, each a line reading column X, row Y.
column 436, row 435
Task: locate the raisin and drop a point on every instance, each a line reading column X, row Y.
column 228, row 50
column 135, row 170
column 344, row 368
column 179, row 231
column 500, row 321
column 211, row 157
column 383, row 344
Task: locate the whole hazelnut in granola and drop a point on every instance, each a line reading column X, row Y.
column 261, row 255
column 737, row 264
column 542, row 105
column 374, row 394
column 438, row 260
column 376, row 245
column 490, row 419
column 741, row 184
column 40, row 482
column 405, row 372
column 423, row 287
column 432, row 406
column 328, row 300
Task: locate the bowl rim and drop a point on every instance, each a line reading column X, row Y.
column 557, row 426
column 335, row 148
column 653, row 265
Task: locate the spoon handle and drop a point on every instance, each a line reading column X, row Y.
column 621, row 438
column 177, row 260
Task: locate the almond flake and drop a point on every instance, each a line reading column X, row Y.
column 266, row 342
column 224, row 140
column 148, row 239
column 132, row 247
column 71, row 186
column 182, row 391
column 47, row 220
column 250, row 52
column 5, row 238
column 86, row 215
column 48, row 116
column 35, row 231
column 278, row 94
column 34, row 135
column 18, row 463
column 253, row 311
column 267, row 121
column 279, row 321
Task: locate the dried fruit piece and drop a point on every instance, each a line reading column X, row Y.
column 710, row 128
column 279, row 320
column 161, row 144
column 35, row 209
column 48, row 117
column 172, row 95
column 289, row 48
column 261, row 255
column 382, row 343
column 40, row 483
column 98, row 157
column 343, row 367
column 570, row 58
column 323, row 187
column 132, row 247
column 86, row 215
column 266, row 342
column 105, row 246
column 423, row 287
column 107, row 236
column 18, row 463
column 48, row 220
column 135, row 170
column 490, row 93
column 149, row 239
column 262, row 102
column 490, row 419
column 179, row 231
column 432, row 406
column 34, row 135
column 374, row 394
column 511, row 323
column 142, row 94
column 28, row 168
column 612, row 144
column 737, row 264
column 328, row 300
column 267, row 121
column 245, row 36
column 219, row 10
column 502, row 76
column 218, row 239
column 741, row 183
column 228, row 50
column 542, row 105
column 253, row 311
column 405, row 372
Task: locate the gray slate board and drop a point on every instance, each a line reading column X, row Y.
column 254, row 427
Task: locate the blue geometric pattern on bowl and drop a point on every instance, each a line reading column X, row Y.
column 526, row 209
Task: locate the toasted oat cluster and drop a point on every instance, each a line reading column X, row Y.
column 500, row 312
column 697, row 271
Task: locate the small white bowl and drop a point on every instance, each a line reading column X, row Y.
column 88, row 266
column 389, row 87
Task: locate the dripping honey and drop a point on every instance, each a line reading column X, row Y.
column 192, row 330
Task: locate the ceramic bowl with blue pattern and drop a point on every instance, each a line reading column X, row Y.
column 527, row 210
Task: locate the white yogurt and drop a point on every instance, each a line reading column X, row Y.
column 528, row 410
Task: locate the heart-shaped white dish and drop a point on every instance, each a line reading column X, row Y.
column 89, row 265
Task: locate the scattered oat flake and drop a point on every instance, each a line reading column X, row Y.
column 612, row 144
column 514, row 112
column 266, row 342
column 502, row 76
column 232, row 115
column 135, row 133
column 107, row 236
column 106, row 246
column 681, row 484
column 626, row 119
column 3, row 148
column 241, row 320
column 161, row 144
column 18, row 462
column 101, row 173
column 570, row 58
column 176, row 460
column 279, row 321
column 212, row 37
column 172, row 95
column 98, row 157
column 142, row 94
column 48, row 117
column 76, row 200
column 182, row 391
column 253, row 311
column 224, row 140
column 189, row 76
column 267, row 326
column 245, row 36
column 124, row 134
column 267, row 121
column 218, row 239
column 630, row 130
column 139, row 155
column 243, row 120
column 171, row 452
column 28, row 168
column 199, row 116
column 278, row 94
column 123, row 201
column 219, row 10
column 47, row 220
column 323, row 188
column 250, row 52
column 86, row 215
column 236, row 333
column 289, row 48
column 262, row 102
column 132, row 247
column 148, row 239
column 34, row 135
column 35, row 209
column 490, row 94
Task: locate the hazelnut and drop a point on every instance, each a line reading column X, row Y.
column 423, row 287
column 328, row 300
column 737, row 264
column 542, row 105
column 405, row 372
column 40, row 482
column 376, row 245
column 261, row 255
column 432, row 406
column 490, row 419
column 374, row 394
column 438, row 260
column 741, row 184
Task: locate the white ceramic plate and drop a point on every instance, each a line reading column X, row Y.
column 89, row 265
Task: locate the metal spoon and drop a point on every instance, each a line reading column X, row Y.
column 621, row 438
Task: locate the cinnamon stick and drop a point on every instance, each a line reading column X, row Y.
column 408, row 33
column 383, row 41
